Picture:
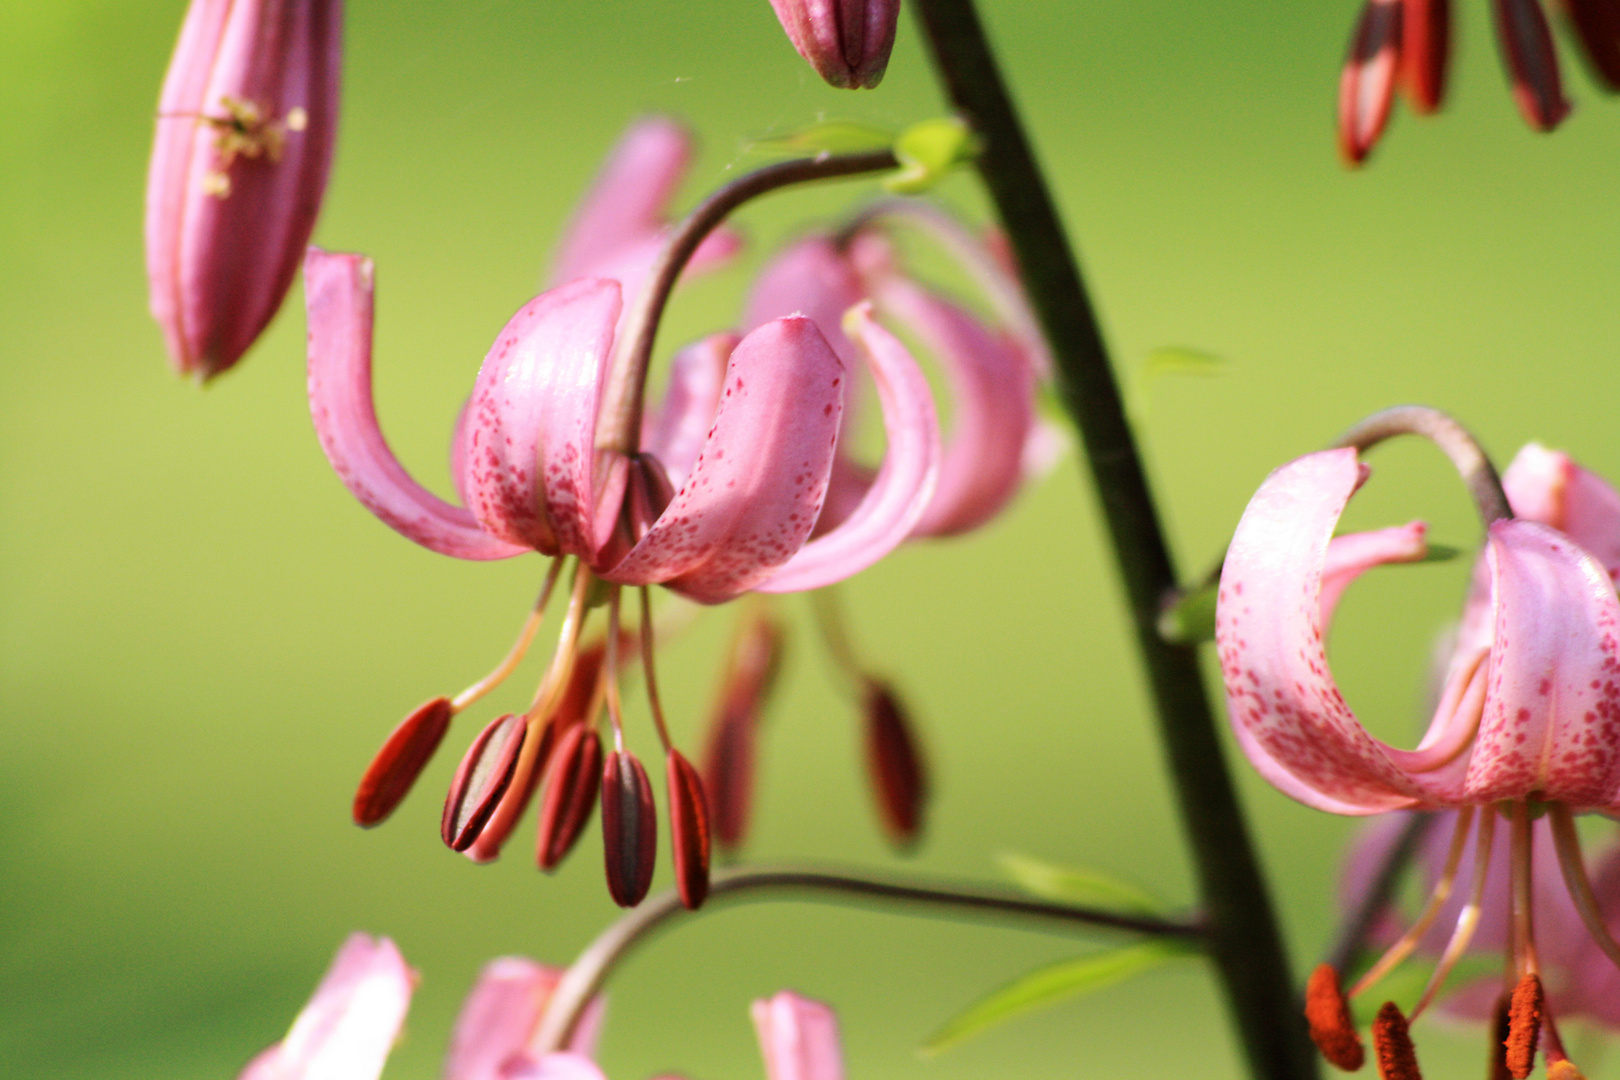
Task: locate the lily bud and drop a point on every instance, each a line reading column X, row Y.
column 846, row 41
column 244, row 142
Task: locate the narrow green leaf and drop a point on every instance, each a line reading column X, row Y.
column 928, row 151
column 1440, row 553
column 830, row 137
column 1070, row 885
column 1191, row 619
column 1180, row 360
column 1045, row 986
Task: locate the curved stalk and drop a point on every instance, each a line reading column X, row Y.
column 587, row 974
column 619, row 423
column 1454, row 440
column 1244, row 939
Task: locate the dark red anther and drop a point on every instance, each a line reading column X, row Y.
column 1524, row 1026
column 1597, row 24
column 571, row 782
column 1328, row 1014
column 728, row 759
column 1499, row 1036
column 688, row 830
column 1392, row 1044
column 486, row 847
column 389, row 777
column 1527, row 48
column 1425, row 52
column 1367, row 85
column 894, row 764
column 480, row 781
column 629, row 828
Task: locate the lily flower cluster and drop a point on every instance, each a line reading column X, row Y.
column 1527, row 726
column 1407, row 44
column 356, row 1013
column 740, row 481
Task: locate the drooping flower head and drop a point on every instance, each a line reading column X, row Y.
column 847, row 41
column 1406, row 44
column 1528, row 721
column 245, row 130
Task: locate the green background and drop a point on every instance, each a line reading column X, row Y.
column 203, row 637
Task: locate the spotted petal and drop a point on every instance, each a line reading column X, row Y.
column 338, row 290
column 349, row 1025
column 1547, row 486
column 1551, row 725
column 757, row 485
column 675, row 433
column 798, row 1038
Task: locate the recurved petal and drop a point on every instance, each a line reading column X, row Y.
column 1367, row 86
column 757, row 486
column 905, row 482
column 1551, row 724
column 675, row 433
column 349, row 1025
column 1527, row 49
column 527, row 436
column 338, row 290
column 810, row 278
column 798, row 1038
column 993, row 408
column 1351, row 555
column 1547, row 486
column 1288, row 714
column 496, row 1019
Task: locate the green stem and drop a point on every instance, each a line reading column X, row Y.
column 586, row 975
column 1244, row 940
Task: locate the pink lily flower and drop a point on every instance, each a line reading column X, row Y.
column 1407, row 44
column 351, row 1022
column 798, row 1038
column 847, row 41
column 245, row 130
column 1529, row 717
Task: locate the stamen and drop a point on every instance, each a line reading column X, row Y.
column 1431, row 910
column 1497, row 1068
column 688, row 830
column 392, row 773
column 1328, row 1013
column 1524, row 936
column 1468, row 919
column 614, row 705
column 1559, row 1067
column 1570, row 861
column 629, row 828
column 484, row 776
column 1392, row 1044
column 531, row 626
column 894, row 763
column 830, row 621
column 652, row 688
column 1524, row 1026
column 572, row 782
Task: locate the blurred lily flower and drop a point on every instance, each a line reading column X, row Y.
column 1528, row 721
column 847, row 41
column 1407, row 44
column 245, row 130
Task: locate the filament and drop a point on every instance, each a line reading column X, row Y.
column 1579, row 885
column 646, row 634
column 611, row 668
column 835, row 632
column 1468, row 919
column 531, row 626
column 1524, row 938
column 1431, row 910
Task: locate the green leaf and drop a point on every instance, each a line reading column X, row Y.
column 1047, row 985
column 1069, row 885
column 1180, row 360
column 928, row 151
column 1191, row 619
column 831, row 137
column 1440, row 553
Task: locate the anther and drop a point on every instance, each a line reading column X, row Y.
column 1564, row 1070
column 482, row 779
column 728, row 759
column 1328, row 1014
column 392, row 773
column 629, row 828
column 571, row 786
column 688, row 830
column 1524, row 1026
column 1499, row 1037
column 894, row 763
column 1392, row 1045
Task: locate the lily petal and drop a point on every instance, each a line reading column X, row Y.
column 338, row 290
column 528, row 433
column 349, row 1025
column 755, row 491
column 798, row 1038
column 1367, row 86
column 1546, row 486
column 555, row 1067
column 501, row 1013
column 675, row 434
column 904, row 484
column 1351, row 555
column 1554, row 703
column 1288, row 714
column 993, row 397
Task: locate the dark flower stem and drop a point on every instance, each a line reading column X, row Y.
column 1244, row 939
column 588, row 973
column 619, row 424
